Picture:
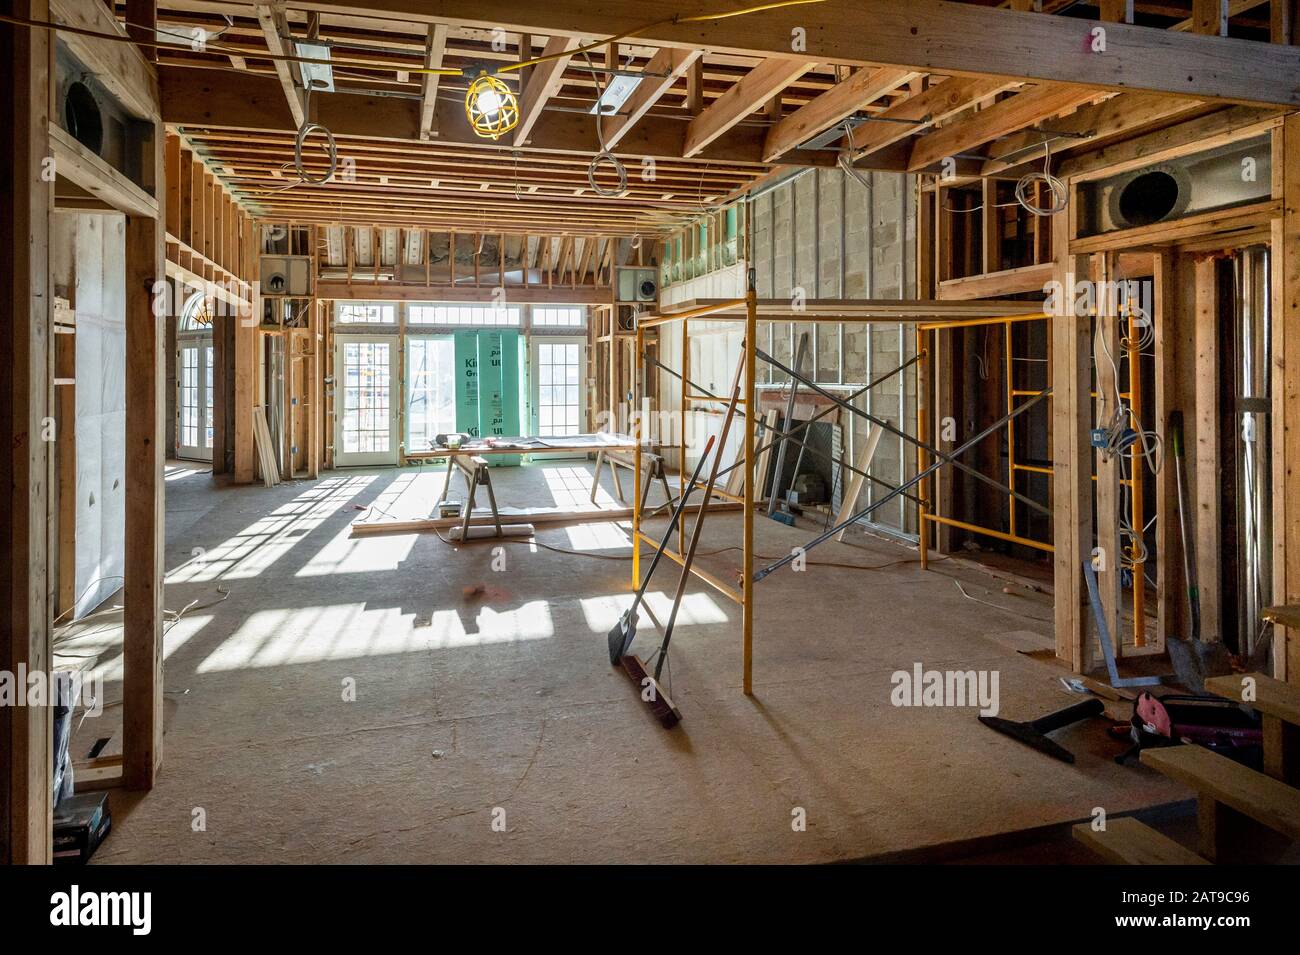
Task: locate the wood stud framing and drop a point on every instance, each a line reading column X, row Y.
column 717, row 112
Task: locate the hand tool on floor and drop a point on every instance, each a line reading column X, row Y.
column 1034, row 732
column 1194, row 659
column 623, row 632
column 652, row 693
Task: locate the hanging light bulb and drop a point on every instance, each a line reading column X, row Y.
column 491, row 106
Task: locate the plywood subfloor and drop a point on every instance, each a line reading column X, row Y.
column 503, row 708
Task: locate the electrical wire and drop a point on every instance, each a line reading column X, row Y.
column 1060, row 196
column 604, row 156
column 1120, row 432
column 239, row 51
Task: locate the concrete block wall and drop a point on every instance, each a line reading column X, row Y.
column 824, row 234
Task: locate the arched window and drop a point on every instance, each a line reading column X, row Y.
column 196, row 314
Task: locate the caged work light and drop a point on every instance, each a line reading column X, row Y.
column 491, row 106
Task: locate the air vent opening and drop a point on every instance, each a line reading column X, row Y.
column 1148, row 198
column 84, row 121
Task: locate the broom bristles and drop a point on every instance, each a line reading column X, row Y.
column 650, row 691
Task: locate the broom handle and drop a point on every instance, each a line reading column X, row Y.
column 1189, row 546
column 699, row 520
column 672, row 524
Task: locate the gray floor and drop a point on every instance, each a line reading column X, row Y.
column 491, row 728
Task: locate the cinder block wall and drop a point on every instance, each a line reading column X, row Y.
column 825, row 235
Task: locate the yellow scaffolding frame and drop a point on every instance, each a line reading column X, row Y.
column 1133, row 395
column 925, row 514
column 743, row 595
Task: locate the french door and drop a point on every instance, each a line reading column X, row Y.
column 365, row 369
column 558, row 374
column 194, row 399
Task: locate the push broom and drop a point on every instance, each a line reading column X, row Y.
column 623, row 633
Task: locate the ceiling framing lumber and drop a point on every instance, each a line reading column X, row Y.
column 544, row 81
column 1118, row 115
column 1016, row 112
column 839, row 102
column 207, row 98
column 920, row 112
column 672, row 64
column 275, row 28
column 930, row 35
column 435, row 46
column 752, row 91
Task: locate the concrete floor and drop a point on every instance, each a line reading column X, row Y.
column 493, row 729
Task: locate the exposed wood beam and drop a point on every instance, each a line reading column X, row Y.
column 1115, row 11
column 435, row 46
column 923, row 110
column 1116, row 116
column 1235, row 7
column 931, row 35
column 671, row 63
column 27, row 460
column 748, row 94
column 1205, row 132
column 275, row 28
column 121, row 67
column 207, row 98
column 78, row 164
column 1008, row 116
column 545, row 81
column 1210, row 17
column 837, row 103
column 1284, row 21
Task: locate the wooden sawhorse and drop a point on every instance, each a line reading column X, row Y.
column 651, row 464
column 476, row 476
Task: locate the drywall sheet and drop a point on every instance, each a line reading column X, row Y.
column 98, row 267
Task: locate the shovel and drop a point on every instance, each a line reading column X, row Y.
column 624, row 632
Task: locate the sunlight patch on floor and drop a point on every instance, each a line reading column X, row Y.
column 258, row 546
column 602, row 613
column 607, row 535
column 303, row 635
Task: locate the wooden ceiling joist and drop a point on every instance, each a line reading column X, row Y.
column 836, row 104
column 932, row 35
column 545, row 78
column 1116, row 116
column 275, row 30
column 662, row 72
column 921, row 111
column 1007, row 116
column 756, row 88
column 435, row 47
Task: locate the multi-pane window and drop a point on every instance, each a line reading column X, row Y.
column 367, row 391
column 189, row 397
column 365, row 313
column 559, row 316
column 465, row 314
column 558, row 373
